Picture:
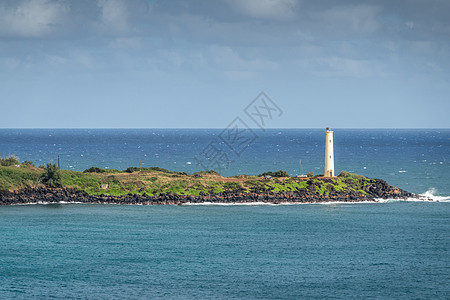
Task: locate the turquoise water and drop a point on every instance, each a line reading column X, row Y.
column 395, row 250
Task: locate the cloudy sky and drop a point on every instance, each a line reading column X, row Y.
column 153, row 64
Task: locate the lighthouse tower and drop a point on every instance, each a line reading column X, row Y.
column 329, row 154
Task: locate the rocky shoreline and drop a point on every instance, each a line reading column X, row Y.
column 378, row 189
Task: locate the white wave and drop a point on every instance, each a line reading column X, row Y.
column 391, row 200
column 342, row 202
column 271, row 204
column 48, row 203
column 231, row 203
column 430, row 194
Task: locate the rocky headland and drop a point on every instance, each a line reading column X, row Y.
column 376, row 189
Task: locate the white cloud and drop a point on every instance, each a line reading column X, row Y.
column 33, row 18
column 10, row 63
column 126, row 43
column 432, row 65
column 228, row 58
column 359, row 18
column 390, row 45
column 13, row 63
column 236, row 67
column 240, row 75
column 265, row 9
column 409, row 24
column 339, row 67
column 422, row 47
column 114, row 15
column 56, row 60
column 84, row 59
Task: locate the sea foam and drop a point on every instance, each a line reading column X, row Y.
column 430, row 194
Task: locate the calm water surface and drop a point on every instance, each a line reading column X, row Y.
column 341, row 251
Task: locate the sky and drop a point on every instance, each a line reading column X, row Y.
column 199, row 64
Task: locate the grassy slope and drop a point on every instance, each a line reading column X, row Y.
column 155, row 182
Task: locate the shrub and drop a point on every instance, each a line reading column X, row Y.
column 9, row 161
column 210, row 172
column 158, row 169
column 94, row 170
column 132, row 169
column 51, row 176
column 28, row 163
column 310, row 174
column 279, row 173
column 234, row 186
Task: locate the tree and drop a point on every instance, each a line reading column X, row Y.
column 9, row 161
column 94, row 170
column 279, row 173
column 51, row 176
column 28, row 163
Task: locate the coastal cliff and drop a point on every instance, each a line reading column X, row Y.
column 159, row 186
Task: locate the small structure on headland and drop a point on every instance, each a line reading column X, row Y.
column 300, row 175
column 329, row 154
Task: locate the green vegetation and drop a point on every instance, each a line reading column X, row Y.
column 94, row 170
column 210, row 172
column 279, row 173
column 51, row 176
column 155, row 181
column 354, row 179
column 28, row 163
column 13, row 178
column 9, row 161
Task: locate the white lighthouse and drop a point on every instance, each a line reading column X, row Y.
column 329, row 154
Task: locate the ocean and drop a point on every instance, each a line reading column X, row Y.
column 397, row 250
column 390, row 250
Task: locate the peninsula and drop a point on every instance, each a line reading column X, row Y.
column 24, row 183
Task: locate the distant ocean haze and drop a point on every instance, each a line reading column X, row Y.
column 416, row 160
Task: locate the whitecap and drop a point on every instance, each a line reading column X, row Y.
column 430, row 195
column 345, row 203
column 230, row 204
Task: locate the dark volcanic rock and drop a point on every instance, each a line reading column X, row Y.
column 376, row 189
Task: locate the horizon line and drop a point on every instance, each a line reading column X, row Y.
column 202, row 128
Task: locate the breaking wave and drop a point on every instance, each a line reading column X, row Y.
column 431, row 194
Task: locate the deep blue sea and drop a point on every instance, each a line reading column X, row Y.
column 393, row 250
